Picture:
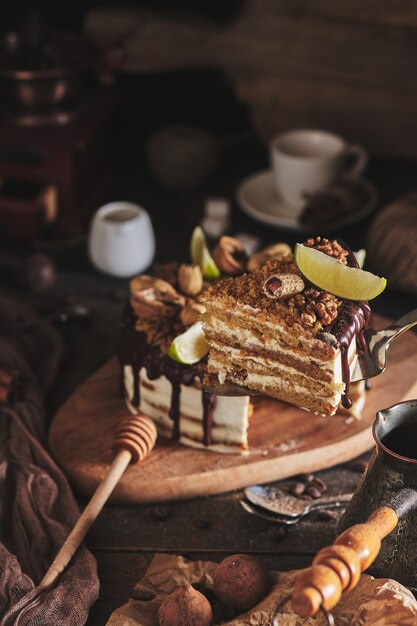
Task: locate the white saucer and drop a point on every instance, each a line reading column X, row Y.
column 258, row 198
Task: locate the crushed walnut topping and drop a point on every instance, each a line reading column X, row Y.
column 160, row 332
column 331, row 248
column 313, row 306
column 168, row 272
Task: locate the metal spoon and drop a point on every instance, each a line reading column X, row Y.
column 282, row 503
column 275, row 519
column 372, row 363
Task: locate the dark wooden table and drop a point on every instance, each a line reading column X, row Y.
column 124, row 538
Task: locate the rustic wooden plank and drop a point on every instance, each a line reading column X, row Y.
column 216, row 525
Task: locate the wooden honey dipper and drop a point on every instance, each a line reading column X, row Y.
column 337, row 568
column 133, row 441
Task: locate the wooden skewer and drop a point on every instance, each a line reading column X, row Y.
column 338, row 568
column 134, row 440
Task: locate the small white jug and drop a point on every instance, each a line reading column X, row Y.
column 121, row 240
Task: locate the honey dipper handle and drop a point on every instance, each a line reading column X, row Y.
column 338, row 567
column 87, row 518
column 133, row 441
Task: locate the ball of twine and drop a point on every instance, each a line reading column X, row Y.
column 392, row 244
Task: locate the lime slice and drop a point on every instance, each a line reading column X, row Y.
column 201, row 256
column 360, row 256
column 190, row 347
column 327, row 273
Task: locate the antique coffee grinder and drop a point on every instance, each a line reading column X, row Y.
column 55, row 119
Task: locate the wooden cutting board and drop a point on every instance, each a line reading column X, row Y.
column 284, row 440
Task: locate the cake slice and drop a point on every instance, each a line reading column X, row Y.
column 166, row 390
column 271, row 332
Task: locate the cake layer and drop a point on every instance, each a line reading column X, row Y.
column 273, row 361
column 226, row 316
column 276, row 349
column 278, row 382
column 261, row 364
column 229, row 421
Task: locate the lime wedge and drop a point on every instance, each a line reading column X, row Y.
column 201, row 256
column 360, row 256
column 190, row 347
column 327, row 273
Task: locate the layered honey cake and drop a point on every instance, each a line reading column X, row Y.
column 273, row 332
column 164, row 389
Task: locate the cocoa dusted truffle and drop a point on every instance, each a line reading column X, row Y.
column 240, row 581
column 185, row 606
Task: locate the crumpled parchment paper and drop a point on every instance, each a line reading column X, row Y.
column 374, row 602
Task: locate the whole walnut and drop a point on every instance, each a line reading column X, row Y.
column 185, row 607
column 240, row 581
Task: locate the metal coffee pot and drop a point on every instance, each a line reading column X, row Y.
column 379, row 527
column 391, row 479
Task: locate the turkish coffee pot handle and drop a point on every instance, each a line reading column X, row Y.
column 337, row 568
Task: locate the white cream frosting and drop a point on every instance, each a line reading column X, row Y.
column 230, row 415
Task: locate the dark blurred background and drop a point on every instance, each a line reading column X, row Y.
column 176, row 103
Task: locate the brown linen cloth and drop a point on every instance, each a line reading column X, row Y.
column 37, row 508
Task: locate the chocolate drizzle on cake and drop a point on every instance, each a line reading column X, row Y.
column 350, row 323
column 209, row 404
column 136, row 352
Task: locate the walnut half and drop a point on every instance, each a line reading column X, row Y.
column 230, row 257
column 154, row 298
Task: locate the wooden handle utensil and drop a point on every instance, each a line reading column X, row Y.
column 134, row 440
column 337, row 568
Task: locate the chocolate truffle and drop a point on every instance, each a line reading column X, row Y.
column 240, row 581
column 183, row 606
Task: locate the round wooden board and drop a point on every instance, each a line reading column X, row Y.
column 284, row 440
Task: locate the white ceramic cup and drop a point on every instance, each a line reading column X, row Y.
column 306, row 161
column 121, row 240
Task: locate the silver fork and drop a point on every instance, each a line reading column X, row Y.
column 372, row 363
